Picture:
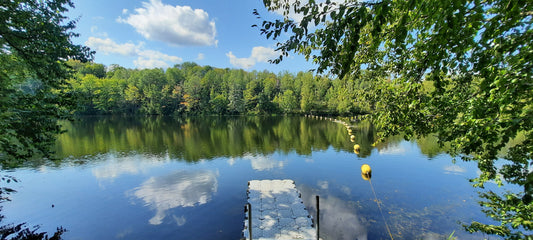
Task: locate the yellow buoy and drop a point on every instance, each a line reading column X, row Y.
column 365, row 169
column 366, row 172
column 366, row 177
column 352, row 138
column 356, row 147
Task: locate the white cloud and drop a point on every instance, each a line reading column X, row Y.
column 94, row 31
column 145, row 58
column 259, row 54
column 291, row 14
column 124, row 11
column 147, row 63
column 178, row 25
column 201, row 56
column 245, row 63
column 263, row 54
column 108, row 46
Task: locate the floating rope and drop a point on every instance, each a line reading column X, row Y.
column 381, row 211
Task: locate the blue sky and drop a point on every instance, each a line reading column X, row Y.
column 161, row 33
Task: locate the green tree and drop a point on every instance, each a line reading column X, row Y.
column 110, row 95
column 132, row 96
column 95, row 69
column 192, row 94
column 219, row 104
column 308, row 100
column 118, row 72
column 476, row 54
column 174, row 76
column 84, row 87
column 35, row 42
column 236, row 91
column 287, row 101
column 150, row 83
column 252, row 95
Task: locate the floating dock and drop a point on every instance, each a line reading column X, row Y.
column 277, row 212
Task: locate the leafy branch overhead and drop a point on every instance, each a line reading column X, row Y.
column 35, row 43
column 461, row 70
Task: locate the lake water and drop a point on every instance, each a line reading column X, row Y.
column 165, row 178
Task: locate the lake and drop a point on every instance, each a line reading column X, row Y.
column 169, row 178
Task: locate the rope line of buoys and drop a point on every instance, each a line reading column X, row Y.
column 366, row 174
column 366, row 170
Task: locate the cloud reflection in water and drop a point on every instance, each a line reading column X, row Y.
column 115, row 166
column 392, row 149
column 454, row 169
column 338, row 219
column 179, row 189
column 263, row 163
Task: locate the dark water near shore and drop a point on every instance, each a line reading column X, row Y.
column 165, row 178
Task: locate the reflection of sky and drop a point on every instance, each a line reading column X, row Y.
column 392, row 150
column 454, row 169
column 180, row 221
column 179, row 189
column 262, row 163
column 116, row 166
column 338, row 220
column 323, row 184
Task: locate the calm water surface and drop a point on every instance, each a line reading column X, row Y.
column 164, row 178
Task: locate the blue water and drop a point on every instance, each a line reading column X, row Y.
column 137, row 188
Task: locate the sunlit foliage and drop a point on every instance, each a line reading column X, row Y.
column 35, row 42
column 461, row 70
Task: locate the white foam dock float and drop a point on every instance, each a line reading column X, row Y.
column 277, row 212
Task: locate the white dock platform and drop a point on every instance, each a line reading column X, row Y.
column 277, row 211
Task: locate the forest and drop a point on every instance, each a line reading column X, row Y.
column 191, row 89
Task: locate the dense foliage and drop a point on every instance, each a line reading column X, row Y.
column 459, row 69
column 35, row 41
column 192, row 89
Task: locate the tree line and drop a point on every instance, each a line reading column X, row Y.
column 191, row 89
